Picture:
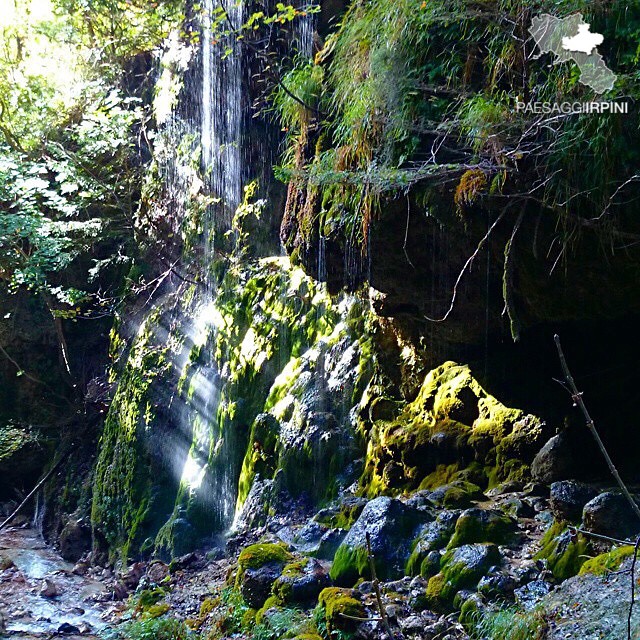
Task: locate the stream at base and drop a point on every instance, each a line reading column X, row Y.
column 27, row 564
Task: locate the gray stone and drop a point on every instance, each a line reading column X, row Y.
column 568, row 497
column 75, row 540
column 530, row 594
column 392, row 526
column 611, row 515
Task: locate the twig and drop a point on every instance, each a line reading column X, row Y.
column 577, row 398
column 600, row 536
column 467, row 264
column 633, row 587
column 49, row 473
column 376, row 588
column 346, row 615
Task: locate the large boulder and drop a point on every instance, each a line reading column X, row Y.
column 482, row 525
column 461, row 568
column 259, row 566
column 568, row 497
column 302, row 581
column 557, row 460
column 610, row 514
column 392, row 526
column 75, row 540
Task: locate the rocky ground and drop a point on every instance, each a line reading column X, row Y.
column 504, row 556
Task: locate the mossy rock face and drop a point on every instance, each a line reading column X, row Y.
column 433, row 536
column 344, row 515
column 452, row 419
column 457, row 495
column 392, row 526
column 259, row 566
column 564, row 552
column 461, row 568
column 482, row 525
column 338, row 603
column 606, row 562
column 22, row 456
column 257, row 555
column 301, row 581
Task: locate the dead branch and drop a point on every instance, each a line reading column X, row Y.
column 47, row 475
column 633, row 587
column 376, row 588
column 466, row 265
column 577, row 399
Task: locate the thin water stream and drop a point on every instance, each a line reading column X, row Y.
column 26, row 564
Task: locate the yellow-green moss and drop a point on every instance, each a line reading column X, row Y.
column 439, row 593
column 257, row 555
column 338, row 603
column 565, row 558
column 482, row 526
column 605, row 562
column 272, row 602
column 157, row 610
column 452, row 406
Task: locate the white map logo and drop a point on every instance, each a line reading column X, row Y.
column 571, row 39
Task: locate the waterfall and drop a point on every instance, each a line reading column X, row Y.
column 222, row 115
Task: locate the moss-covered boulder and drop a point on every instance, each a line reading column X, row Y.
column 433, row 536
column 339, row 607
column 606, row 562
column 460, row 568
column 301, row 581
column 459, row 494
column 482, row 525
column 451, row 425
column 259, row 566
column 391, row 526
column 564, row 552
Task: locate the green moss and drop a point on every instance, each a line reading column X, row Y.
column 122, row 490
column 337, row 603
column 344, row 518
column 257, row 555
column 479, row 525
column 565, row 554
column 149, row 597
column 439, row 593
column 157, row 610
column 469, row 614
column 605, row 562
column 349, row 564
column 453, row 408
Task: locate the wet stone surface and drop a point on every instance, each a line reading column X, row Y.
column 39, row 594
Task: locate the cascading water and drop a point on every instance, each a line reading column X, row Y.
column 227, row 141
column 192, row 416
column 222, row 114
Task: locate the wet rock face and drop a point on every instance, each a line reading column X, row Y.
column 557, row 460
column 482, row 525
column 391, row 526
column 22, row 456
column 610, row 514
column 302, row 581
column 75, row 540
column 567, row 498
